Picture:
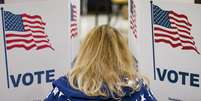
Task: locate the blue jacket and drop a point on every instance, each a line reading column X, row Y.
column 62, row 91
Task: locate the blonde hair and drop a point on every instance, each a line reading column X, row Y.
column 104, row 59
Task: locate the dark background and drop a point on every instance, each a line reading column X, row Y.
column 1, row 1
column 198, row 1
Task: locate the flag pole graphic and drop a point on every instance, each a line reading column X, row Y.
column 153, row 46
column 5, row 48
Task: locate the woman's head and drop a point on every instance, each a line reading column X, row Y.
column 104, row 58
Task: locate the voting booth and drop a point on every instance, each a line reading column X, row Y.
column 38, row 43
column 165, row 38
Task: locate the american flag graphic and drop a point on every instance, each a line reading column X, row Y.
column 173, row 28
column 73, row 25
column 25, row 31
column 133, row 25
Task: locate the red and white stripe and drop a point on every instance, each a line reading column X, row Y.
column 34, row 36
column 133, row 25
column 179, row 35
column 73, row 26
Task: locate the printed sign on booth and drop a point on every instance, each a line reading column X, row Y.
column 36, row 47
column 168, row 48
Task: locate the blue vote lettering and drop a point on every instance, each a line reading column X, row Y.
column 29, row 78
column 176, row 76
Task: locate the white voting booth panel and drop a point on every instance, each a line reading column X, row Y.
column 38, row 43
column 20, row 1
column 182, row 1
column 165, row 37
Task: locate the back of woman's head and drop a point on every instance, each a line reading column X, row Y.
column 103, row 59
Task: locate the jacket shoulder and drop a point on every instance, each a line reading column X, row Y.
column 57, row 93
column 143, row 94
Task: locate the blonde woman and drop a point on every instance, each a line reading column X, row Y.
column 104, row 70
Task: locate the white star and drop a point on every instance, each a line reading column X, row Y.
column 60, row 94
column 55, row 90
column 142, row 97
